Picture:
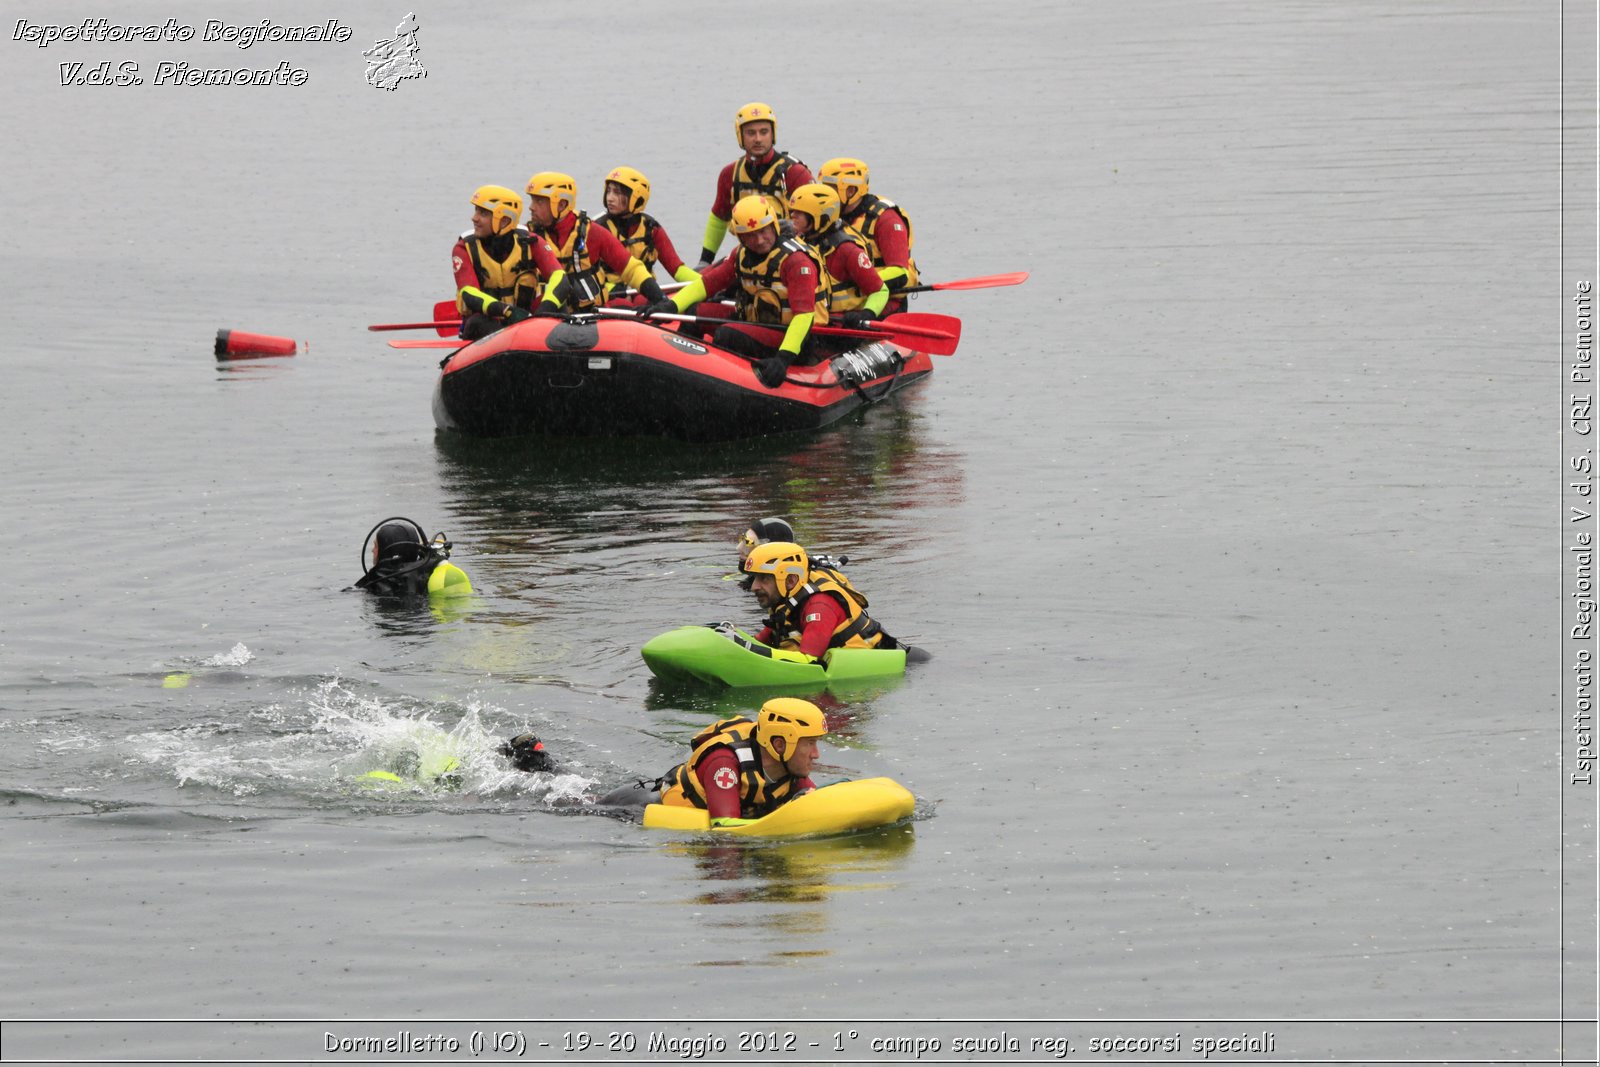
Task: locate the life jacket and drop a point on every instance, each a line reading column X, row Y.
column 501, row 277
column 768, row 182
column 640, row 241
column 843, row 295
column 583, row 282
column 762, row 296
column 863, row 219
column 758, row 794
column 857, row 631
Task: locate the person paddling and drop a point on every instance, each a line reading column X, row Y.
column 810, row 608
column 404, row 562
column 569, row 250
column 741, row 769
column 491, row 262
column 856, row 293
column 761, row 171
column 626, row 193
column 774, row 280
column 882, row 225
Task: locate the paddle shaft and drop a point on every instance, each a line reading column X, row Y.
column 918, row 325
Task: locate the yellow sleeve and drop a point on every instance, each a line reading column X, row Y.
column 877, row 301
column 473, row 301
column 890, row 275
column 799, row 329
column 690, row 294
column 686, row 273
column 553, row 290
column 635, row 273
column 716, row 230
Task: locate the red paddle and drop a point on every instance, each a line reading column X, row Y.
column 991, row 281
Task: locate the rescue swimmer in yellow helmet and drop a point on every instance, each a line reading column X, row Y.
column 775, row 280
column 570, row 251
column 741, row 769
column 882, row 226
column 856, row 293
column 626, row 193
column 491, row 263
column 761, row 171
column 810, row 607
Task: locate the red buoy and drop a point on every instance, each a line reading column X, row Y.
column 236, row 344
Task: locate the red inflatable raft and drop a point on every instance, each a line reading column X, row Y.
column 619, row 377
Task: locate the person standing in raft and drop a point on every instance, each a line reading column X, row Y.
column 882, row 226
column 403, row 562
column 626, row 194
column 810, row 608
column 856, row 294
column 741, row 769
column 761, row 171
column 569, row 250
column 491, row 264
column 775, row 280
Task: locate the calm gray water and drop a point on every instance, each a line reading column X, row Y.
column 1232, row 532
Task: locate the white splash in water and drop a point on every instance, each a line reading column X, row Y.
column 237, row 656
column 330, row 743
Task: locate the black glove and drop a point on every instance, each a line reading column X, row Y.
column 771, row 371
column 706, row 256
column 517, row 314
column 858, row 317
column 651, row 291
column 660, row 307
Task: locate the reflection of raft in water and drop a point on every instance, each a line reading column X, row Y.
column 701, row 654
column 832, row 809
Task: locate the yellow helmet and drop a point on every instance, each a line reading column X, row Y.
column 559, row 190
column 784, row 560
column 847, row 177
column 818, row 203
column 753, row 112
column 504, row 205
column 751, row 214
column 637, row 184
column 793, row 720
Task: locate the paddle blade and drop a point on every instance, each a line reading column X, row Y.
column 446, row 310
column 992, row 281
column 936, row 335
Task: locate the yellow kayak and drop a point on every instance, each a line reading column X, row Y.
column 830, row 809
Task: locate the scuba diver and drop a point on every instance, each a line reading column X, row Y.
column 775, row 529
column 740, row 769
column 403, row 562
column 442, row 769
column 527, row 753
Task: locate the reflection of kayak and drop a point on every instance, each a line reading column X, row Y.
column 832, row 809
column 623, row 378
column 699, row 653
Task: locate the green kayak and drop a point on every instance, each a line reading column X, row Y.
column 701, row 654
